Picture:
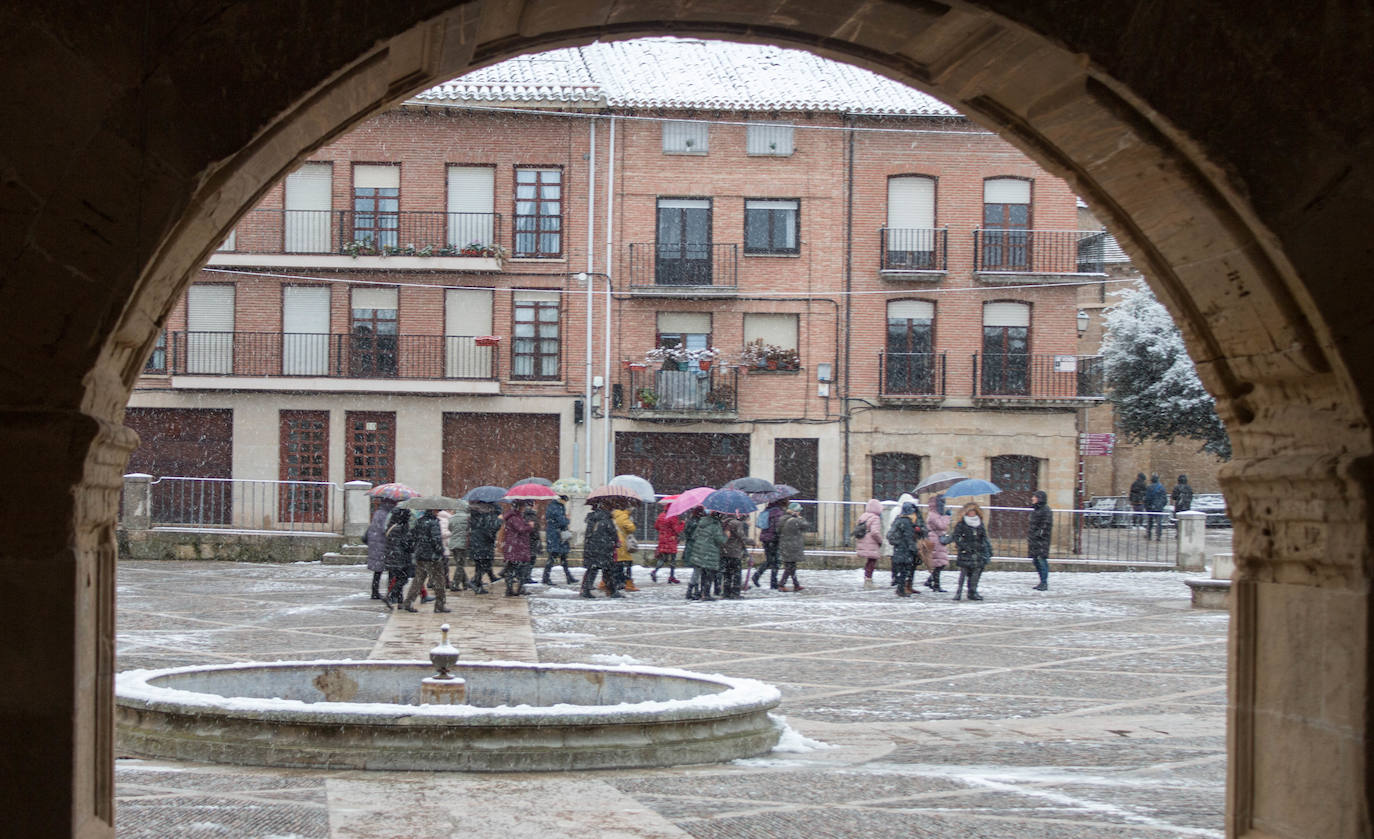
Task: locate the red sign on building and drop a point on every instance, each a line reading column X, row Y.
column 1096, row 444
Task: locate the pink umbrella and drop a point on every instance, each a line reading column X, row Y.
column 393, row 492
column 529, row 492
column 689, row 499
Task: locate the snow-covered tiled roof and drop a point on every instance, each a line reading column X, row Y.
column 689, row 73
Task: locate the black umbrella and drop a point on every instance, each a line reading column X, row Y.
column 750, row 485
column 543, row 482
column 783, row 491
column 489, row 494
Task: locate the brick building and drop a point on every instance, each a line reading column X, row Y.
column 817, row 276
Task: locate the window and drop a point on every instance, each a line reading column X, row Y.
column 684, row 137
column 210, row 329
column 895, row 473
column 1006, row 345
column 309, row 204
column 534, row 350
column 776, row 335
column 157, row 360
column 539, row 212
column 373, row 333
column 685, row 330
column 1006, row 225
column 305, row 331
column 772, row 139
column 230, row 242
column 377, row 205
column 909, row 238
column 471, row 206
column 682, row 250
column 770, row 225
column 909, row 364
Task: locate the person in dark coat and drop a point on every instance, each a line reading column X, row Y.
column 970, row 537
column 668, row 529
column 556, row 537
column 791, row 544
column 429, row 552
column 517, row 547
column 904, row 534
column 1156, row 496
column 703, row 553
column 399, row 562
column 1136, row 496
column 375, row 539
column 1182, row 496
column 733, row 553
column 1038, row 537
column 484, row 520
column 768, row 537
column 532, row 516
column 598, row 550
column 689, row 528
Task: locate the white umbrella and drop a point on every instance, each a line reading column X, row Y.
column 642, row 488
column 939, row 481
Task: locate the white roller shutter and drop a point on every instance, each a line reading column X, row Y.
column 467, row 314
column 910, row 203
column 673, row 323
column 769, row 138
column 471, row 204
column 685, row 203
column 1006, row 191
column 210, row 329
column 1006, row 314
column 309, row 201
column 684, row 137
column 780, row 330
column 911, row 310
column 371, row 176
column 305, row 330
column 374, row 298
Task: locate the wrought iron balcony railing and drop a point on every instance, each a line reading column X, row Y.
column 1039, row 251
column 913, row 249
column 667, row 392
column 354, row 356
column 1031, row 377
column 664, row 266
column 911, row 374
column 350, row 233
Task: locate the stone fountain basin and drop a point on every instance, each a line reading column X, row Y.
column 518, row 716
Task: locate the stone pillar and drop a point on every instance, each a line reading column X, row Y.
column 357, row 511
column 138, row 501
column 1192, row 541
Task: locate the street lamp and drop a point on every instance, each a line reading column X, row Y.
column 1082, row 322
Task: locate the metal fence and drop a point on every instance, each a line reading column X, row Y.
column 351, row 233
column 655, row 264
column 242, row 504
column 1038, row 251
column 360, row 355
column 913, row 250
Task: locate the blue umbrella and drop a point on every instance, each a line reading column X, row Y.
column 729, row 501
column 972, row 486
column 489, row 494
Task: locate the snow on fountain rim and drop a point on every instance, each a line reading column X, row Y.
column 133, row 688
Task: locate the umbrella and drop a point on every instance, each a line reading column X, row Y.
column 783, row 491
column 393, row 492
column 433, row 502
column 729, row 501
column 613, row 491
column 571, row 486
column 689, row 499
column 489, row 494
column 529, row 492
column 543, row 482
column 972, row 486
column 643, row 489
column 939, row 481
column 750, row 485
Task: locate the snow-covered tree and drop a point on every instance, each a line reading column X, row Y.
column 1151, row 381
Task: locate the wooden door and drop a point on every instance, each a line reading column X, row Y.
column 1018, row 477
column 796, row 461
column 498, row 449
column 370, row 447
column 303, row 456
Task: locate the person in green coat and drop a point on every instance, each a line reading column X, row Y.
column 703, row 554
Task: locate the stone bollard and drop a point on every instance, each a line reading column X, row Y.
column 357, row 511
column 138, row 501
column 1192, row 541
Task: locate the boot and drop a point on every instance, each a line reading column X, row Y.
column 567, row 573
column 935, row 580
column 510, row 586
column 692, row 592
column 673, row 580
column 520, row 588
column 547, row 570
column 959, row 589
column 973, row 585
column 903, row 589
column 586, row 591
column 630, row 586
column 376, row 585
column 868, row 583
column 438, row 609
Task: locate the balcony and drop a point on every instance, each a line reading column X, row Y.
column 311, row 360
column 1040, row 380
column 912, row 253
column 345, row 238
column 1009, row 255
column 682, row 394
column 684, row 270
column 911, row 378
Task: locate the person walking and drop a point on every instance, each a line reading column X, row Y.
column 375, row 539
column 558, row 539
column 703, row 552
column 484, row 521
column 668, row 529
column 516, row 547
column 428, row 550
column 624, row 557
column 937, row 525
column 532, row 516
column 767, row 521
column 904, row 535
column 454, row 523
column 1136, row 497
column 693, row 520
column 869, row 541
column 399, row 563
column 974, row 549
column 1156, row 496
column 733, row 553
column 1182, row 496
column 1038, row 537
column 791, row 545
column 598, row 550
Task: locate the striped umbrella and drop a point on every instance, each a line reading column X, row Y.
column 613, row 491
column 393, row 492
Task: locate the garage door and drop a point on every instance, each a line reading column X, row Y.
column 187, row 443
column 498, row 449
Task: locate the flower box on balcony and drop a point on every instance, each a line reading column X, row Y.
column 487, row 340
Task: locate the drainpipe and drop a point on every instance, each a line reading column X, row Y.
column 848, row 480
column 591, row 266
column 609, row 456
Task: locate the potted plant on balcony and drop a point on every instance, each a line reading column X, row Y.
column 783, row 359
column 646, row 397
column 705, row 356
column 721, row 398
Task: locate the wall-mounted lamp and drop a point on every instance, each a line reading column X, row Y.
column 1082, row 322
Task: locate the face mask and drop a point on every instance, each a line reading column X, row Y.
column 972, row 521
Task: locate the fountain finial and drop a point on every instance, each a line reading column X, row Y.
column 443, row 656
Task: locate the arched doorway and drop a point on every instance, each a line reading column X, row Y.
column 1233, row 171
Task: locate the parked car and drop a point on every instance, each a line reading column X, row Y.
column 1108, row 511
column 1214, row 506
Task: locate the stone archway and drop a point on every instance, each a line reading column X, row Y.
column 1234, row 168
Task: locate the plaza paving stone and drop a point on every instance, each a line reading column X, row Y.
column 1097, row 708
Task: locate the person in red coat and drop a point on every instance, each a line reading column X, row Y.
column 516, row 547
column 668, row 529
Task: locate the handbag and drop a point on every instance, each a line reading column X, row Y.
column 860, row 531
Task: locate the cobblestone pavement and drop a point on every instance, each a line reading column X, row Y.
column 1095, row 708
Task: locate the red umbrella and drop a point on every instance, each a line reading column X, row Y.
column 689, row 499
column 529, row 492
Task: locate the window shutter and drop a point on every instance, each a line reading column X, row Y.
column 673, row 323
column 684, row 137
column 911, row 203
column 369, row 176
column 769, row 138
column 1006, row 314
column 210, row 329
column 308, row 201
column 471, row 204
column 1006, row 191
column 374, row 298
column 467, row 314
column 305, row 324
column 911, row 310
column 773, row 329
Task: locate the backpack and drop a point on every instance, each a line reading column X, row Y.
column 860, row 531
column 762, row 518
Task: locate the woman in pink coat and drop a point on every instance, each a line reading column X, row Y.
column 870, row 545
column 937, row 525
